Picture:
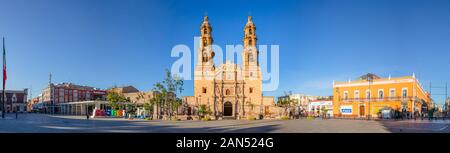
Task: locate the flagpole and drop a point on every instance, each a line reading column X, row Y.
column 3, row 90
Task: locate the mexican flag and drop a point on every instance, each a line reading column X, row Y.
column 4, row 63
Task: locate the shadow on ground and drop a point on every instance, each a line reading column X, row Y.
column 416, row 126
column 60, row 124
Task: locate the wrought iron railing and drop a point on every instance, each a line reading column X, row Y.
column 384, row 99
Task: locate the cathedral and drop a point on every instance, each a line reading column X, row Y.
column 229, row 91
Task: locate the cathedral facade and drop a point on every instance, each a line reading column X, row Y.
column 229, row 90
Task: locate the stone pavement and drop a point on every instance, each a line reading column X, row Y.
column 42, row 123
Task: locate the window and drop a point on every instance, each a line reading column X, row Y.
column 251, row 90
column 380, row 94
column 250, row 42
column 368, row 94
column 345, row 95
column 227, row 92
column 205, row 43
column 392, row 93
column 404, row 92
column 13, row 98
column 356, row 96
column 204, row 90
column 205, row 57
column 205, row 31
column 250, row 31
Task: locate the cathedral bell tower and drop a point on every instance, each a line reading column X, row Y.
column 205, row 52
column 205, row 68
column 250, row 53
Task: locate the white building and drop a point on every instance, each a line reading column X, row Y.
column 318, row 107
column 303, row 99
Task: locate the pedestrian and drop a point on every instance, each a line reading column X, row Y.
column 87, row 116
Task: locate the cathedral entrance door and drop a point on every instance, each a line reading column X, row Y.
column 227, row 109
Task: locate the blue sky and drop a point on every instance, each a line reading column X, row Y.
column 102, row 43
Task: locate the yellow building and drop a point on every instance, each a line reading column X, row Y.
column 370, row 95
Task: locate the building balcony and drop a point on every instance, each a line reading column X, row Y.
column 385, row 99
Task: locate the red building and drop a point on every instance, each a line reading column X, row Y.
column 67, row 92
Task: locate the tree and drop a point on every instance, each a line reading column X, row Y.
column 178, row 87
column 155, row 101
column 202, row 110
column 116, row 100
column 166, row 100
column 160, row 98
column 285, row 103
column 324, row 112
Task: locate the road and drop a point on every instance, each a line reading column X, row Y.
column 42, row 123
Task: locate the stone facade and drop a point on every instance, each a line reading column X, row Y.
column 229, row 90
column 133, row 94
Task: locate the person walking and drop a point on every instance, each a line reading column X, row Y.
column 87, row 113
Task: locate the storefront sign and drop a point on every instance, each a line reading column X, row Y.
column 347, row 110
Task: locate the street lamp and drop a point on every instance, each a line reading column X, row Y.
column 369, row 79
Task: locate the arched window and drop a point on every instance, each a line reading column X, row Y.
column 250, row 42
column 205, row 31
column 356, row 95
column 404, row 93
column 250, row 31
column 392, row 93
column 205, row 57
column 227, row 92
column 380, row 94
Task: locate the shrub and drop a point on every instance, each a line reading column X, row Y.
column 285, row 118
column 206, row 119
column 251, row 118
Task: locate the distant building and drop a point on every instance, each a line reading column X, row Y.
column 15, row 100
column 55, row 94
column 133, row 94
column 32, row 103
column 320, row 107
column 370, row 95
column 303, row 99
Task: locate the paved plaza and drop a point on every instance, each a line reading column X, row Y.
column 42, row 123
